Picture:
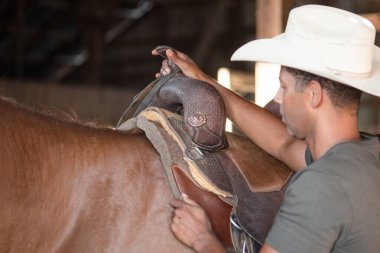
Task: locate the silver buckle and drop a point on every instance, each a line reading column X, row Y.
column 194, row 153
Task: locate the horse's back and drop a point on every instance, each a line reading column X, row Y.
column 71, row 188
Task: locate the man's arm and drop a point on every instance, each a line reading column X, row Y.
column 261, row 126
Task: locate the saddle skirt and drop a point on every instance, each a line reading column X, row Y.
column 243, row 176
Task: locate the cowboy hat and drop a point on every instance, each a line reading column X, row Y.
column 325, row 41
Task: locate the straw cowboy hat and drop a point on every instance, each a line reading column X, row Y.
column 325, row 41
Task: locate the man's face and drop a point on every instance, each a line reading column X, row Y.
column 293, row 106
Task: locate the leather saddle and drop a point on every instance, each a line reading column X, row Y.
column 171, row 92
column 225, row 173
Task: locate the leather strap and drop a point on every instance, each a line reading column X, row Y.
column 144, row 98
column 148, row 98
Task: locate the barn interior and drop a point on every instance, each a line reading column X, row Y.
column 91, row 57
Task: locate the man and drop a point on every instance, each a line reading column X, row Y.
column 333, row 201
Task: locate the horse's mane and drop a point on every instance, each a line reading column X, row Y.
column 53, row 112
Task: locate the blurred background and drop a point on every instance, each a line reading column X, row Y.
column 91, row 56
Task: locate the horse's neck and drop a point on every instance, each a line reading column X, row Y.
column 32, row 138
column 37, row 147
column 70, row 188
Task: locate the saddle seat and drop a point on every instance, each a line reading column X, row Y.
column 251, row 185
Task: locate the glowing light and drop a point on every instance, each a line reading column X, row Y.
column 224, row 78
column 266, row 82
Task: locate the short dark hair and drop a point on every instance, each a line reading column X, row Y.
column 341, row 95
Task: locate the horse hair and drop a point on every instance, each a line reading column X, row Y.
column 55, row 112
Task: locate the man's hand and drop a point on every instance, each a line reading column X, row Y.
column 192, row 226
column 184, row 62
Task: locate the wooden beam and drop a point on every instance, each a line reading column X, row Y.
column 268, row 18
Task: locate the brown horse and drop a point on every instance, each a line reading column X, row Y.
column 66, row 187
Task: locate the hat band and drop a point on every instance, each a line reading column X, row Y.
column 346, row 74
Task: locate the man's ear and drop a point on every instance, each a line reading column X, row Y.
column 316, row 93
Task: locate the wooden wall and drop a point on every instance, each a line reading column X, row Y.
column 90, row 103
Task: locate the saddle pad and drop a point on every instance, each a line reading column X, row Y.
column 154, row 122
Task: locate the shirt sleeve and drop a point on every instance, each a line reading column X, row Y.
column 312, row 215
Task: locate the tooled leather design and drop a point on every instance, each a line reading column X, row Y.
column 198, row 99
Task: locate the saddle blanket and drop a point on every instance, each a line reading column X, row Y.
column 154, row 123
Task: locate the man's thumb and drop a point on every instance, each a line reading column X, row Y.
column 175, row 58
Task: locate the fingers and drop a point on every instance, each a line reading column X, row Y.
column 177, row 220
column 176, row 203
column 171, row 53
column 165, row 68
column 185, row 63
column 177, row 58
column 177, row 55
column 188, row 200
column 190, row 223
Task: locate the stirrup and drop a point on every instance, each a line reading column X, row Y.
column 241, row 240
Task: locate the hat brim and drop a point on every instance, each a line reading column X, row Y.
column 279, row 51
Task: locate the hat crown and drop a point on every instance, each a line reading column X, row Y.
column 341, row 40
column 326, row 41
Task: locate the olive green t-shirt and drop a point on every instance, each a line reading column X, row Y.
column 334, row 204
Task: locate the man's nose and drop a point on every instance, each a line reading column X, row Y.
column 278, row 97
